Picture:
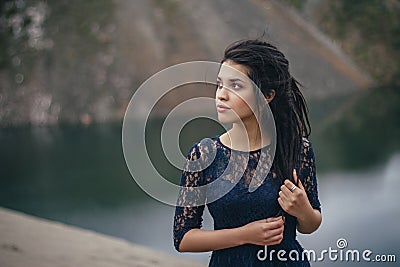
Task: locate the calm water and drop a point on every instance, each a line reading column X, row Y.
column 77, row 175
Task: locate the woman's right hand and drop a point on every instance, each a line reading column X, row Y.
column 264, row 232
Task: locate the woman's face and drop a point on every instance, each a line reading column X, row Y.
column 234, row 94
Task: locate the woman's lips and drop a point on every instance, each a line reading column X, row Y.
column 222, row 108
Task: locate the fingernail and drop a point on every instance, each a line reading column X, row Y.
column 294, row 170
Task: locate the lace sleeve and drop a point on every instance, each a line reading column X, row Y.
column 308, row 174
column 187, row 216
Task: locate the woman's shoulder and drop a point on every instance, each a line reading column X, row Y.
column 307, row 148
column 200, row 155
column 203, row 148
column 307, row 143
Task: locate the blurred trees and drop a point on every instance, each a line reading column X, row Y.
column 369, row 31
column 57, row 62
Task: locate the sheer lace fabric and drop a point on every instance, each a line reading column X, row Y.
column 217, row 168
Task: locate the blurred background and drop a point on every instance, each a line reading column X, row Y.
column 69, row 68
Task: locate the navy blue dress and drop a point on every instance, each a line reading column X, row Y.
column 240, row 206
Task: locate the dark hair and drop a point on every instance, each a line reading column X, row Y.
column 269, row 70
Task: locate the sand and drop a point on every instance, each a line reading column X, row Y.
column 29, row 241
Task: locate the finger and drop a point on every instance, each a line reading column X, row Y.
column 284, row 196
column 286, row 191
column 282, row 204
column 274, row 240
column 272, row 219
column 275, row 232
column 288, row 183
column 301, row 185
column 295, row 178
column 275, row 225
column 268, row 236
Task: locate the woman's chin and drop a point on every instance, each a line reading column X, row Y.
column 222, row 118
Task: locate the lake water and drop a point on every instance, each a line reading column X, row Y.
column 77, row 175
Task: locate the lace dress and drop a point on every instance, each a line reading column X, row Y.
column 240, row 206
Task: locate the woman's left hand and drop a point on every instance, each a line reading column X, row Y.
column 293, row 199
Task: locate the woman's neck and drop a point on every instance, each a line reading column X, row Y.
column 247, row 136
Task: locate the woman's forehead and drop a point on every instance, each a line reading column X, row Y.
column 231, row 70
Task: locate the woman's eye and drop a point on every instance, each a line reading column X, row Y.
column 236, row 86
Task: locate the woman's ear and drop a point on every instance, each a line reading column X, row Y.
column 270, row 96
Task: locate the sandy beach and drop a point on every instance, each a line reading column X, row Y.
column 29, row 241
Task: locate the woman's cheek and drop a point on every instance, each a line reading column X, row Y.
column 244, row 106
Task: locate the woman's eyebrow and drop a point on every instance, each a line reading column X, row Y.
column 232, row 79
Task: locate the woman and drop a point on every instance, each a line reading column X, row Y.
column 251, row 227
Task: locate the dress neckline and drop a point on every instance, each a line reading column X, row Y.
column 240, row 151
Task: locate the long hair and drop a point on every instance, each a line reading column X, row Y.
column 269, row 70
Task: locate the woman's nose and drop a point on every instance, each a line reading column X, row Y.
column 222, row 93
